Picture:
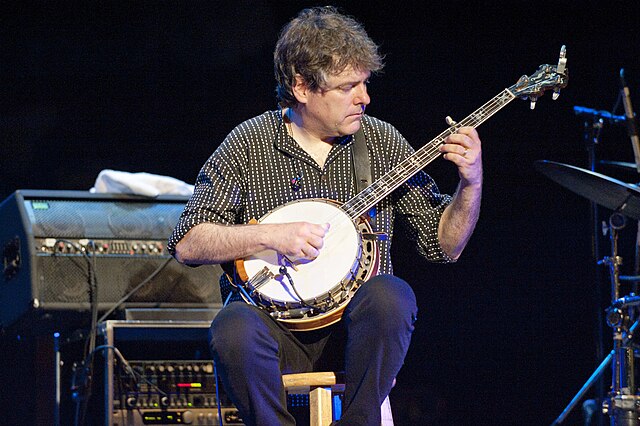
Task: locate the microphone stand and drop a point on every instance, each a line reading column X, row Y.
column 632, row 131
column 592, row 131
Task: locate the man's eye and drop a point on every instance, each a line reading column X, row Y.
column 347, row 87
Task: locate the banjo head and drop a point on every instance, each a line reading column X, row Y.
column 326, row 281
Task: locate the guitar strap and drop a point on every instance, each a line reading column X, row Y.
column 361, row 163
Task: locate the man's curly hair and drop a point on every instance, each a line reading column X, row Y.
column 319, row 42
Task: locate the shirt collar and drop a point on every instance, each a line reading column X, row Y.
column 288, row 145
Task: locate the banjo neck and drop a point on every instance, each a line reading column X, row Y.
column 411, row 165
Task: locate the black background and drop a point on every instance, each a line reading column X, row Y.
column 507, row 335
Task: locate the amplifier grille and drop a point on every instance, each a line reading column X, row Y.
column 102, row 219
column 64, row 280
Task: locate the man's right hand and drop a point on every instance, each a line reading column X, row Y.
column 297, row 240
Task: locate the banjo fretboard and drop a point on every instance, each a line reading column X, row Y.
column 379, row 189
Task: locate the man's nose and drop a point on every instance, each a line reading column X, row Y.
column 362, row 96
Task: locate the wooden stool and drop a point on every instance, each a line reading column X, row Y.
column 324, row 406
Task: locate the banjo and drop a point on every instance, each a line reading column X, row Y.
column 311, row 294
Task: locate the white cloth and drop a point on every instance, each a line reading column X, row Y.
column 113, row 181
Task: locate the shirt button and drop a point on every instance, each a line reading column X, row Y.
column 323, row 178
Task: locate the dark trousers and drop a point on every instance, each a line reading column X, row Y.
column 252, row 351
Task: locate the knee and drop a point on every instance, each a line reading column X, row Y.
column 235, row 330
column 386, row 299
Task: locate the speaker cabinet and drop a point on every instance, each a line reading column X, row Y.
column 56, row 245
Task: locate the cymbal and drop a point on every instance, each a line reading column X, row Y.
column 622, row 164
column 603, row 190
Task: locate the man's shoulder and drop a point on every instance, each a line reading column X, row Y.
column 266, row 120
column 260, row 128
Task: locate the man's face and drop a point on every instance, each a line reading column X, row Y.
column 336, row 109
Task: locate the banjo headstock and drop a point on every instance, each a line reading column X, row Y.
column 546, row 77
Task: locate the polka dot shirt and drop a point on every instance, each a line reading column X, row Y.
column 258, row 167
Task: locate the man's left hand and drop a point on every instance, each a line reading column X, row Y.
column 464, row 149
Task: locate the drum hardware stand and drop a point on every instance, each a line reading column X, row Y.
column 592, row 132
column 622, row 404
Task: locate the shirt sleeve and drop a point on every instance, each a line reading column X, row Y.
column 419, row 208
column 218, row 193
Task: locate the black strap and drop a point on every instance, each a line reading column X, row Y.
column 361, row 164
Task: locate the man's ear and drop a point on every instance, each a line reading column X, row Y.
column 300, row 89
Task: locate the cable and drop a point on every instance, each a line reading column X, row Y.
column 135, row 289
column 81, row 381
column 93, row 303
column 218, row 404
column 86, row 370
column 285, row 272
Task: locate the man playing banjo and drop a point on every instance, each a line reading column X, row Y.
column 300, row 157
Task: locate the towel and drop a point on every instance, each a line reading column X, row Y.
column 148, row 184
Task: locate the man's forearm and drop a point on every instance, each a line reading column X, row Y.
column 214, row 243
column 459, row 220
column 210, row 243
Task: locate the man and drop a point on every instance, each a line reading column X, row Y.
column 323, row 61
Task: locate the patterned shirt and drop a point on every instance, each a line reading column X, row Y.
column 259, row 167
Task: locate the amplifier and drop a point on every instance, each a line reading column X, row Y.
column 55, row 243
column 148, row 373
column 169, row 392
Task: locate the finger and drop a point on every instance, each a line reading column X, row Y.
column 459, row 139
column 467, row 136
column 470, row 132
column 457, row 149
column 320, row 230
column 309, row 252
column 316, row 242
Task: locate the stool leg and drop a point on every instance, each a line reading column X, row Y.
column 337, row 407
column 385, row 411
column 320, row 407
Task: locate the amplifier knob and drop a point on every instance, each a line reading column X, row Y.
column 164, row 401
column 131, row 401
column 187, row 417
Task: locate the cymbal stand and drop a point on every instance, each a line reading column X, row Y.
column 622, row 405
column 591, row 135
